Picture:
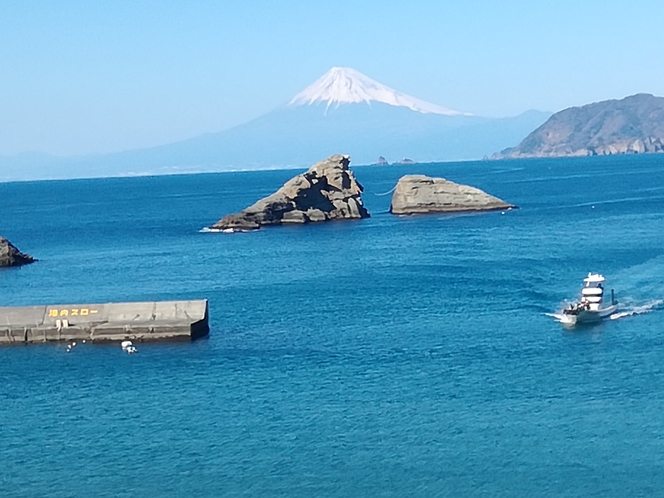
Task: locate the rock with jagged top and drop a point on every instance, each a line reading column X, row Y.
column 327, row 191
column 11, row 256
column 419, row 194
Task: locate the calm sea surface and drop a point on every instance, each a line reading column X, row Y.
column 388, row 357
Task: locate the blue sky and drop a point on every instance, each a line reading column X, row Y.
column 80, row 77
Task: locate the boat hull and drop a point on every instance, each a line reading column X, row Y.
column 589, row 316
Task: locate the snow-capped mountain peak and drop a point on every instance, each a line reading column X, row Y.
column 343, row 85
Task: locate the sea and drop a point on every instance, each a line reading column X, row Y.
column 384, row 357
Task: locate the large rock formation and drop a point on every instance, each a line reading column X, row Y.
column 11, row 256
column 633, row 125
column 327, row 191
column 419, row 194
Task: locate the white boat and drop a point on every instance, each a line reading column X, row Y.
column 591, row 307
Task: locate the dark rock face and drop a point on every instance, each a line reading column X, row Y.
column 327, row 191
column 11, row 256
column 633, row 125
column 419, row 194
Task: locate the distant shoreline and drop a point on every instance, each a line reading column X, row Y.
column 484, row 162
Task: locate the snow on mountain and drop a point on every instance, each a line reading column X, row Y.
column 343, row 85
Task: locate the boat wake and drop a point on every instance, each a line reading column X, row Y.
column 566, row 320
column 625, row 311
column 557, row 316
column 633, row 310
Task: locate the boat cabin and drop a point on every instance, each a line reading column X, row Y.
column 592, row 291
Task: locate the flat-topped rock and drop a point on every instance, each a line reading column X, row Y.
column 11, row 256
column 327, row 191
column 420, row 194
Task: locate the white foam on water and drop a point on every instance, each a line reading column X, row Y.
column 636, row 286
column 560, row 317
column 638, row 309
column 627, row 308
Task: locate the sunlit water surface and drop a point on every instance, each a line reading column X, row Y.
column 385, row 357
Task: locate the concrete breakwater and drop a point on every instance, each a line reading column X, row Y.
column 143, row 321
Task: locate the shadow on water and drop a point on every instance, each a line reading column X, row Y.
column 585, row 328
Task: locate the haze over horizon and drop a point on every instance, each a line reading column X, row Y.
column 84, row 78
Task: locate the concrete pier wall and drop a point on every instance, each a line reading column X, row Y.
column 146, row 321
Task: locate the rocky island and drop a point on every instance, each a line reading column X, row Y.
column 633, row 125
column 11, row 256
column 327, row 191
column 419, row 194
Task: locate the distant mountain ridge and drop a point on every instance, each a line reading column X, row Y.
column 343, row 112
column 633, row 125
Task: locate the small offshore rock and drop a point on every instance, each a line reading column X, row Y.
column 420, row 194
column 327, row 191
column 11, row 256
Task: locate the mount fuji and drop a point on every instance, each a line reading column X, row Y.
column 344, row 111
column 343, row 85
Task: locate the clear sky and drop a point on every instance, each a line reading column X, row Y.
column 80, row 77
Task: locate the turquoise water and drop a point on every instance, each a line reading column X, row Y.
column 383, row 357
